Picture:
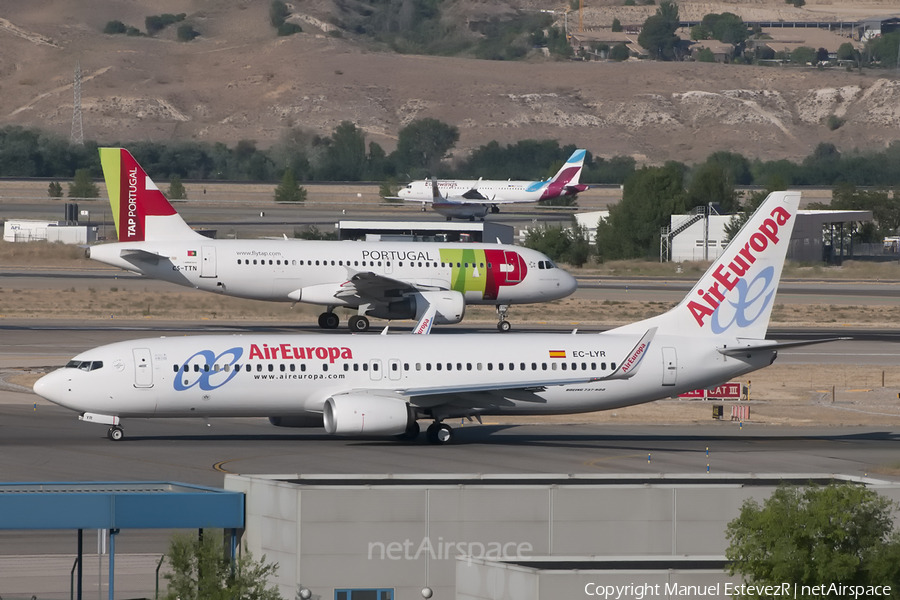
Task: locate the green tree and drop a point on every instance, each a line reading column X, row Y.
column 176, row 189
column 838, row 534
column 803, row 55
column 83, row 186
column 883, row 49
column 344, row 158
column 54, row 190
column 619, row 52
column 658, row 33
column 650, row 197
column 288, row 190
column 201, row 571
column 616, row 25
column 725, row 27
column 562, row 244
column 847, row 51
column 705, row 55
column 423, row 143
column 710, row 182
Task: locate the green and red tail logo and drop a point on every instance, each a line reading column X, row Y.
column 132, row 194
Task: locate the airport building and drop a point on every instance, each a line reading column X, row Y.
column 387, row 537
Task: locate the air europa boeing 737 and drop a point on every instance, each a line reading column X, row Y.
column 387, row 280
column 381, row 385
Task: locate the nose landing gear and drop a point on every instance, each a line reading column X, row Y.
column 503, row 325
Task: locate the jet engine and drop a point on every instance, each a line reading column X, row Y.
column 297, row 421
column 450, row 307
column 363, row 414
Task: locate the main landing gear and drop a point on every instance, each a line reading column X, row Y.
column 115, row 433
column 439, row 433
column 358, row 323
column 503, row 325
column 329, row 320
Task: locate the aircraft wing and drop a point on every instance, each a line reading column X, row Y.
column 463, row 388
column 368, row 287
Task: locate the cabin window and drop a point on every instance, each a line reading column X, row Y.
column 394, row 366
column 293, row 367
column 406, row 366
column 468, row 366
column 206, row 368
column 175, row 370
column 277, row 262
column 346, row 367
column 271, row 368
column 544, row 366
column 490, row 366
column 239, row 261
column 259, row 367
column 522, row 366
column 602, row 366
column 481, row 265
column 317, row 263
column 302, row 367
column 282, row 367
column 459, row 366
column 593, row 366
column 427, row 366
column 500, row 366
column 227, row 368
column 324, row 366
column 563, row 366
column 478, row 366
column 355, row 263
column 534, row 366
column 365, row 366
column 215, row 368
column 355, row 367
column 418, row 366
column 553, row 366
column 294, row 263
column 248, row 368
column 584, row 366
column 254, row 261
column 437, row 366
column 612, row 366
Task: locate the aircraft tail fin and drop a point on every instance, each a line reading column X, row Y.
column 140, row 210
column 735, row 296
column 570, row 172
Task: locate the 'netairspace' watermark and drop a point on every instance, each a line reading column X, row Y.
column 441, row 550
column 785, row 590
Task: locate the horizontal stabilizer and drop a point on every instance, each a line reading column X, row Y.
column 755, row 345
column 132, row 254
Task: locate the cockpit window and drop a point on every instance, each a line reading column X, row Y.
column 85, row 365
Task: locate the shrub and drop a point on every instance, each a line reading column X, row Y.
column 706, row 55
column 616, row 25
column 114, row 27
column 288, row 29
column 619, row 52
column 834, row 122
column 186, row 33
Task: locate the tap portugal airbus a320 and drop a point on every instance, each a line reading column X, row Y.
column 387, row 280
column 381, row 385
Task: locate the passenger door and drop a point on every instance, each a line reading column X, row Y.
column 670, row 366
column 208, row 261
column 143, row 368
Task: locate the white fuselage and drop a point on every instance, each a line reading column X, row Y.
column 315, row 271
column 499, row 191
column 272, row 375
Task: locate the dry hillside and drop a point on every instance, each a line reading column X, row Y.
column 239, row 81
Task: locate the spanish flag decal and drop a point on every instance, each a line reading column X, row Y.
column 557, row 354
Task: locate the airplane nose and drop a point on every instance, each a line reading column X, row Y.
column 568, row 283
column 50, row 386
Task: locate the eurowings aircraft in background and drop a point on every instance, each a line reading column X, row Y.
column 381, row 385
column 469, row 199
column 387, row 280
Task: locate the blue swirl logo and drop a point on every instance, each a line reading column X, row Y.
column 210, row 379
column 751, row 303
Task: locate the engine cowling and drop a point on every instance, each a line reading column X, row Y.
column 363, row 414
column 450, row 307
column 297, row 421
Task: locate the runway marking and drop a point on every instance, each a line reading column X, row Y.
column 218, row 466
column 590, row 463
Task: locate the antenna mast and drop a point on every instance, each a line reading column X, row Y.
column 77, row 136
